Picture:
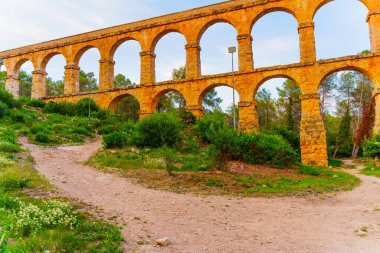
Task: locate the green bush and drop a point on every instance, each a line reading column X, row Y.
column 7, row 98
column 308, row 170
column 371, row 148
column 290, row 136
column 224, row 141
column 63, row 108
column 26, row 117
column 36, row 103
column 42, row 137
column 40, row 127
column 82, row 107
column 266, row 149
column 210, row 122
column 187, row 118
column 115, row 140
column 9, row 147
column 161, row 129
column 169, row 155
column 3, row 109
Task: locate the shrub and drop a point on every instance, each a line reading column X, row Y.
column 224, row 141
column 5, row 162
column 8, row 147
column 161, row 129
column 290, row 136
column 187, row 118
column 169, row 155
column 26, row 117
column 7, row 98
column 42, row 137
column 82, row 107
column 40, row 127
column 266, row 149
column 36, row 103
column 371, row 147
column 212, row 121
column 63, row 108
column 308, row 170
column 3, row 109
column 115, row 140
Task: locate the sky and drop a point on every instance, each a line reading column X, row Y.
column 340, row 29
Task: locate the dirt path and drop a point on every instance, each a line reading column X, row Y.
column 217, row 223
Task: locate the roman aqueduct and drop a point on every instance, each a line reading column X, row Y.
column 242, row 15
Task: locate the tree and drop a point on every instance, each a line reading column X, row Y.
column 344, row 136
column 87, row 84
column 179, row 74
column 266, row 109
column 26, row 82
column 121, row 81
column 3, row 75
column 54, row 88
column 325, row 89
column 129, row 107
column 290, row 104
column 211, row 102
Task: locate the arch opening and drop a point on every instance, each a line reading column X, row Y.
column 89, row 63
column 278, row 107
column 55, row 75
column 127, row 106
column 219, row 99
column 170, row 101
column 275, row 40
column 170, row 55
column 25, row 79
column 3, row 75
column 341, row 29
column 347, row 107
column 214, row 42
column 127, row 64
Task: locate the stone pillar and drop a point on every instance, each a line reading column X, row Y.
column 245, row 52
column 12, row 84
column 71, row 79
column 248, row 122
column 148, row 68
column 39, row 84
column 312, row 133
column 373, row 20
column 376, row 126
column 193, row 60
column 307, row 42
column 196, row 110
column 106, row 74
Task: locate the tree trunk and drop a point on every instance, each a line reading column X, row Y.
column 355, row 151
column 336, row 151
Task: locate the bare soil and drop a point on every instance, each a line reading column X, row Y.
column 326, row 223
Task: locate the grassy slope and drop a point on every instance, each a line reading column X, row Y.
column 371, row 170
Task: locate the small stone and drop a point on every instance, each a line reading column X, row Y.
column 135, row 151
column 113, row 152
column 330, row 167
column 335, row 176
column 163, row 242
column 372, row 169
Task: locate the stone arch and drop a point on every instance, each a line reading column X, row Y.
column 118, row 43
column 280, row 56
column 162, row 34
column 210, row 42
column 46, row 59
column 324, row 2
column 21, row 62
column 265, row 79
column 359, row 69
column 356, row 37
column 214, row 86
column 115, row 101
column 157, row 97
column 211, row 23
column 271, row 10
column 81, row 52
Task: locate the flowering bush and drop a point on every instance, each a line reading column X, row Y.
column 53, row 213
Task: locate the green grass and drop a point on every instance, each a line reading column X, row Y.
column 17, row 177
column 371, row 170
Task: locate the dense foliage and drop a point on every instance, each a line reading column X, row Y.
column 158, row 130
